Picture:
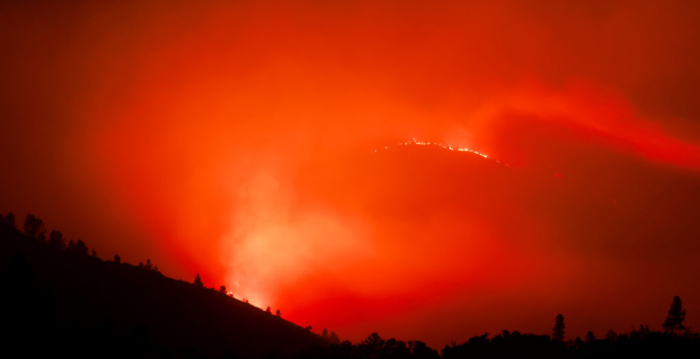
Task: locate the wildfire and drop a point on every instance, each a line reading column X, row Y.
column 414, row 142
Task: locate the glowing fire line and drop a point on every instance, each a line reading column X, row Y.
column 448, row 147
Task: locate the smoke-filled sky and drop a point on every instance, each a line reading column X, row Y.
column 237, row 140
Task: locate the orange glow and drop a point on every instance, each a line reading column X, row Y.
column 264, row 146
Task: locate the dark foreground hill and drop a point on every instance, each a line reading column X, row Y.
column 56, row 302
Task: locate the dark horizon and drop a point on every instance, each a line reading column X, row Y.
column 60, row 295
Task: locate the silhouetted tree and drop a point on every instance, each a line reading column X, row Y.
column 222, row 289
column 558, row 330
column 94, row 253
column 269, row 310
column 334, row 338
column 278, row 313
column 373, row 341
column 56, row 239
column 10, row 220
column 148, row 265
column 642, row 333
column 420, row 350
column 676, row 316
column 33, row 226
column 590, row 337
column 325, row 334
column 117, row 259
column 198, row 281
column 78, row 247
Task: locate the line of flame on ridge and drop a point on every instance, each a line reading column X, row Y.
column 413, row 141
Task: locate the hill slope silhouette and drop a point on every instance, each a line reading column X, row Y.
column 60, row 301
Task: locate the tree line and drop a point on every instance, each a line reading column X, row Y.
column 673, row 339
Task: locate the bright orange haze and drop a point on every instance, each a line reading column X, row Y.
column 236, row 140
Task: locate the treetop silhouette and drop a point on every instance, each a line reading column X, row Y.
column 78, row 247
column 33, row 227
column 558, row 330
column 676, row 316
column 334, row 338
column 8, row 220
column 198, row 281
column 56, row 239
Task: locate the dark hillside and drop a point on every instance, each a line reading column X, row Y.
column 60, row 300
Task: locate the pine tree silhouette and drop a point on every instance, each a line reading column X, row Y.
column 590, row 337
column 334, row 338
column 558, row 330
column 198, row 281
column 676, row 316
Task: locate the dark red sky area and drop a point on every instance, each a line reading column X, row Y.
column 236, row 140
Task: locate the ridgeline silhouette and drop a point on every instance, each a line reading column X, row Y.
column 56, row 301
column 61, row 299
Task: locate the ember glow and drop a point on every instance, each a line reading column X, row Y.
column 441, row 145
column 237, row 140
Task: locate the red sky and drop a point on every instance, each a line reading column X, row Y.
column 237, row 140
